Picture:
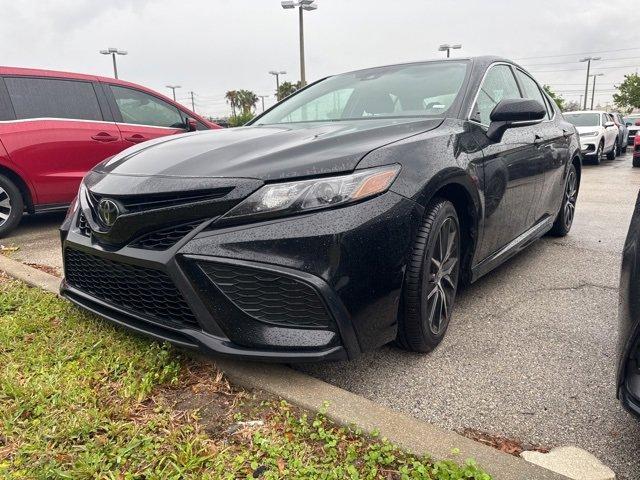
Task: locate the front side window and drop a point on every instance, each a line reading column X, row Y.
column 499, row 84
column 531, row 89
column 53, row 98
column 583, row 119
column 143, row 109
column 416, row 90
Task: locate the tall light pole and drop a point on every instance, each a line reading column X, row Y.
column 586, row 85
column 113, row 52
column 445, row 47
column 277, row 75
column 593, row 92
column 193, row 102
column 302, row 5
column 262, row 97
column 173, row 90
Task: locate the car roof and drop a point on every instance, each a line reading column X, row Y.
column 585, row 111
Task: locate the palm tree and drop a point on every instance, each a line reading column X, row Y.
column 286, row 89
column 232, row 99
column 247, row 101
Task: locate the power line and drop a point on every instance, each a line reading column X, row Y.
column 576, row 69
column 569, row 62
column 580, row 53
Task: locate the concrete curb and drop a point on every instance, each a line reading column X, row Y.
column 345, row 408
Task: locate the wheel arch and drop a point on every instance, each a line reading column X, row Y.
column 461, row 189
column 22, row 186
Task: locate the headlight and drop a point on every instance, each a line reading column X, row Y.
column 308, row 195
column 589, row 134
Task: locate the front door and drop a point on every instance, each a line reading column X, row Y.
column 512, row 167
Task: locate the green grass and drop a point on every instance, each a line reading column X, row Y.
column 80, row 399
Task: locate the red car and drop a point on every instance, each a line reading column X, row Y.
column 636, row 150
column 55, row 126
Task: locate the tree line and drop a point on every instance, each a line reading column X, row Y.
column 243, row 103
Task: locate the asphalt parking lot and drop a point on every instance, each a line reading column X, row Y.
column 531, row 351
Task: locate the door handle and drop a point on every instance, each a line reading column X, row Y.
column 104, row 137
column 136, row 138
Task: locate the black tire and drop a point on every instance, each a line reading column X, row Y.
column 565, row 216
column 598, row 156
column 11, row 206
column 614, row 151
column 623, row 147
column 431, row 280
column 636, row 161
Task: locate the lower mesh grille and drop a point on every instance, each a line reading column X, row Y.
column 147, row 292
column 270, row 297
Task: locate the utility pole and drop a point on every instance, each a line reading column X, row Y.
column 193, row 103
column 173, row 90
column 593, row 92
column 302, row 5
column 113, row 52
column 586, row 86
column 262, row 97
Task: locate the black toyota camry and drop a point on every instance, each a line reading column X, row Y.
column 345, row 217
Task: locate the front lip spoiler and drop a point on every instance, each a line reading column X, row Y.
column 191, row 338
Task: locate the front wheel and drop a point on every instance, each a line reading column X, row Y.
column 614, row 151
column 432, row 279
column 11, row 206
column 564, row 220
column 598, row 158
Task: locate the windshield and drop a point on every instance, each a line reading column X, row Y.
column 418, row 90
column 583, row 119
column 632, row 120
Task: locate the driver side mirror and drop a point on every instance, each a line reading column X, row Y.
column 515, row 112
column 190, row 125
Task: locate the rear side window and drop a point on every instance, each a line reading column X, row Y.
column 143, row 109
column 531, row 90
column 52, row 98
column 499, row 84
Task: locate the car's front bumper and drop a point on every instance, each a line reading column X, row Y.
column 588, row 145
column 336, row 276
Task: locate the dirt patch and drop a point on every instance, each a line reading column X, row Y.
column 506, row 445
column 46, row 268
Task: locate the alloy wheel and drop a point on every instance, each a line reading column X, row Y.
column 443, row 276
column 570, row 196
column 5, row 206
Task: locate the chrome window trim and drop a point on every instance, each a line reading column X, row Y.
column 61, row 119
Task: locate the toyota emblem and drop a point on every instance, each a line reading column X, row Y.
column 108, row 212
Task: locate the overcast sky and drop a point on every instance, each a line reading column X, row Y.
column 217, row 45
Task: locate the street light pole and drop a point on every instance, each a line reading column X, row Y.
column 277, row 74
column 173, row 90
column 113, row 52
column 586, row 86
column 193, row 103
column 302, row 5
column 593, row 91
column 445, row 47
column 262, row 97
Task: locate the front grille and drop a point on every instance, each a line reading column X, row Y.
column 138, row 203
column 83, row 225
column 147, row 292
column 269, row 297
column 165, row 238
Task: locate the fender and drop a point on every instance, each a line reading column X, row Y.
column 19, row 176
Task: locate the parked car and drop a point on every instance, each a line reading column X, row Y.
column 598, row 134
column 56, row 126
column 636, row 151
column 633, row 124
column 628, row 378
column 623, row 131
column 341, row 219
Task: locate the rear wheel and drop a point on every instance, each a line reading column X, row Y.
column 11, row 206
column 431, row 280
column 564, row 220
column 636, row 161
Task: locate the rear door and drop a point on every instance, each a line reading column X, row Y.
column 60, row 129
column 611, row 132
column 141, row 116
column 512, row 167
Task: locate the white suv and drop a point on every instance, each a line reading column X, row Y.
column 598, row 134
column 633, row 123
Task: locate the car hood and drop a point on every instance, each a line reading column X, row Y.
column 268, row 152
column 594, row 128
